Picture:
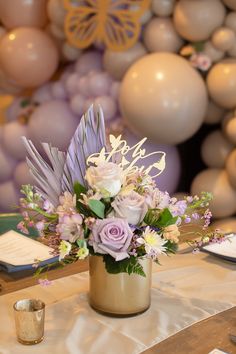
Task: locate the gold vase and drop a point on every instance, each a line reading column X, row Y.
column 119, row 294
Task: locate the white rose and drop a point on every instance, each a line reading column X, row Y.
column 130, row 206
column 105, row 178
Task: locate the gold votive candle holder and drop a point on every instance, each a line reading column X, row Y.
column 29, row 320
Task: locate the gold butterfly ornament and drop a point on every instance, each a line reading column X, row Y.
column 115, row 23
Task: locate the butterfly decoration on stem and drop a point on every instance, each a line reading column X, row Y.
column 115, row 23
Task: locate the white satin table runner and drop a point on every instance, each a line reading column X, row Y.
column 186, row 289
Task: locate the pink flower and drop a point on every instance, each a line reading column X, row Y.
column 111, row 236
column 45, row 282
column 70, row 227
column 200, row 61
column 21, row 226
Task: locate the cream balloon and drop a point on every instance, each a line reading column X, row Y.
column 225, row 225
column 117, row 63
column 214, row 113
column 163, row 7
column 28, row 56
column 216, row 182
column 221, row 83
column 23, row 13
column 195, row 20
column 230, row 3
column 230, row 129
column 164, row 98
column 214, row 54
column 232, row 51
column 230, row 21
column 70, row 53
column 160, row 36
column 231, row 168
column 223, row 38
column 215, row 149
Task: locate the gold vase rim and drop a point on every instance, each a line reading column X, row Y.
column 33, row 308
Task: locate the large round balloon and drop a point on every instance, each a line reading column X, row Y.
column 160, row 36
column 53, row 122
column 19, row 13
column 221, row 82
column 215, row 149
column 195, row 20
column 28, row 56
column 224, row 195
column 164, row 98
column 169, row 179
column 230, row 3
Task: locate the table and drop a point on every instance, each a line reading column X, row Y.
column 199, row 338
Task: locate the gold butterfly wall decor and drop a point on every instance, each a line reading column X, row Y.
column 116, row 23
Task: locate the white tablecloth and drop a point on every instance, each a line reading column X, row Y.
column 186, row 289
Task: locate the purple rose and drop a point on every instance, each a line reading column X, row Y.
column 111, row 236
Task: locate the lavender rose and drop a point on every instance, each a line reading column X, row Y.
column 111, row 236
column 105, row 178
column 130, row 206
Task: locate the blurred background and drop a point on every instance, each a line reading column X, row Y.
column 163, row 69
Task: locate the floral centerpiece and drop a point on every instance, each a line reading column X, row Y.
column 95, row 200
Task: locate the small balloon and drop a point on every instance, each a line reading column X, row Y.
column 223, row 38
column 28, row 56
column 221, row 83
column 22, row 175
column 99, row 84
column 230, row 129
column 196, row 20
column 215, row 149
column 231, row 168
column 214, row 113
column 56, row 12
column 53, row 122
column 70, row 53
column 9, row 196
column 230, row 3
column 216, row 181
column 214, row 54
column 90, row 61
column 21, row 13
column 43, row 94
column 108, row 106
column 230, row 21
column 71, row 83
column 12, row 139
column 163, row 7
column 83, row 86
column 161, row 36
column 77, row 104
column 7, row 164
column 117, row 63
column 58, row 90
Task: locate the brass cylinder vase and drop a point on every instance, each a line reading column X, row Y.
column 119, row 294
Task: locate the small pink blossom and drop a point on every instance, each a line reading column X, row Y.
column 45, row 282
column 200, row 61
column 21, row 226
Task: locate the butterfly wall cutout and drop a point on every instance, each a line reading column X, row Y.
column 115, row 23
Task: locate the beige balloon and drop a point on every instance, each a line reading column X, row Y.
column 117, row 63
column 230, row 21
column 163, row 7
column 8, row 86
column 221, row 83
column 19, row 13
column 225, row 225
column 56, row 12
column 231, row 168
column 214, row 113
column 214, row 54
column 28, row 56
column 223, row 38
column 216, row 182
column 215, row 149
column 195, row 20
column 160, row 36
column 70, row 53
column 163, row 97
column 230, row 129
column 230, row 3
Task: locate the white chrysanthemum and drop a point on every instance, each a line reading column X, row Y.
column 152, row 241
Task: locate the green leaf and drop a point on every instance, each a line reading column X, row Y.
column 97, row 207
column 166, row 218
column 78, row 190
column 127, row 265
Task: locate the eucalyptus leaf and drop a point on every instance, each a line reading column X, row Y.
column 97, row 207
